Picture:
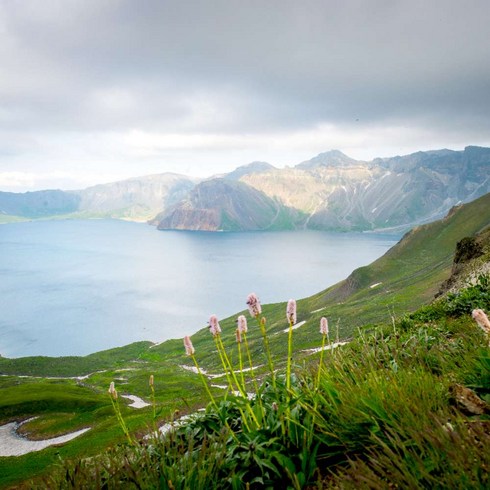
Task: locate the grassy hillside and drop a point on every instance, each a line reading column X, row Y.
column 392, row 409
column 406, row 278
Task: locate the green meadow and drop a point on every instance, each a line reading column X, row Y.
column 390, row 408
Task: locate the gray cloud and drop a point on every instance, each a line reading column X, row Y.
column 235, row 67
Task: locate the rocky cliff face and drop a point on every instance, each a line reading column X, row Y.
column 328, row 192
column 221, row 204
column 471, row 260
column 338, row 192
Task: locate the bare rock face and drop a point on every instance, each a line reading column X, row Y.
column 185, row 217
column 338, row 192
column 329, row 192
column 226, row 205
column 471, row 260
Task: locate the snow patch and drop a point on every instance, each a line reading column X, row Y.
column 137, row 402
column 319, row 309
column 194, row 370
column 13, row 444
column 327, row 347
column 300, row 324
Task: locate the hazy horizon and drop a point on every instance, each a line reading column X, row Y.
column 208, row 176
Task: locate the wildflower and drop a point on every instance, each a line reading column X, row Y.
column 151, row 379
column 482, row 320
column 189, row 348
column 238, row 335
column 254, row 305
column 242, row 324
column 323, row 326
column 291, row 311
column 275, row 406
column 112, row 390
column 214, row 327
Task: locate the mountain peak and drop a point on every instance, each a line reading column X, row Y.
column 249, row 168
column 332, row 158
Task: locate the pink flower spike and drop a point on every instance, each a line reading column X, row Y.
column 324, row 326
column 189, row 348
column 238, row 336
column 291, row 311
column 242, row 324
column 254, row 305
column 482, row 320
column 214, row 327
column 112, row 390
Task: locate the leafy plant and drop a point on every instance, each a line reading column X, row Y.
column 469, row 298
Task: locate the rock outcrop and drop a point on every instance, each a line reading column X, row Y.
column 226, row 205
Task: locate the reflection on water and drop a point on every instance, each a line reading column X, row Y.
column 75, row 287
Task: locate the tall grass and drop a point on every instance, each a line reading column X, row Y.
column 378, row 414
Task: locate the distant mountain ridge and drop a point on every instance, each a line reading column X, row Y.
column 227, row 205
column 139, row 198
column 340, row 193
column 329, row 192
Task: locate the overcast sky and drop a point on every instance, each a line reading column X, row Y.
column 94, row 91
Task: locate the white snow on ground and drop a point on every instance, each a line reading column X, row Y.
column 193, row 369
column 250, row 396
column 327, row 347
column 137, row 401
column 319, row 309
column 374, row 285
column 86, row 376
column 300, row 324
column 237, row 371
column 176, row 423
column 12, row 444
column 90, row 374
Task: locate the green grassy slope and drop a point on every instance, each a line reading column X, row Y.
column 73, row 365
column 401, row 406
column 410, row 273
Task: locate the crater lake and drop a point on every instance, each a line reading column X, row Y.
column 73, row 287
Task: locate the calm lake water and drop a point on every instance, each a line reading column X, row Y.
column 76, row 287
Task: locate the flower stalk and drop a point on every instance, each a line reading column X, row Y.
column 291, row 317
column 190, row 351
column 152, row 388
column 115, row 405
column 324, row 332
